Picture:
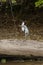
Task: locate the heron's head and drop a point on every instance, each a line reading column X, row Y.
column 22, row 24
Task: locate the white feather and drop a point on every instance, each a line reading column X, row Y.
column 24, row 28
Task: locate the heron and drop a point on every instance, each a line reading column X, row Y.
column 25, row 29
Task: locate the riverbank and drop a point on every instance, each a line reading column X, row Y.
column 21, row 47
column 24, row 63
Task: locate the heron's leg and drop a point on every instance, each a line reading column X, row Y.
column 25, row 37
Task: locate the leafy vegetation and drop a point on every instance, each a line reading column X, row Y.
column 39, row 3
column 10, row 15
column 13, row 1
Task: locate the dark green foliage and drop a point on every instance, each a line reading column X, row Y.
column 39, row 3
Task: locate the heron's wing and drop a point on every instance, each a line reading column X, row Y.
column 22, row 28
column 26, row 29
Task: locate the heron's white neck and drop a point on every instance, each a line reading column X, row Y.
column 22, row 23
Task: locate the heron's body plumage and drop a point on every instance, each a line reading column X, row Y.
column 25, row 29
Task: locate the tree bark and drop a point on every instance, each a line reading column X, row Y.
column 20, row 47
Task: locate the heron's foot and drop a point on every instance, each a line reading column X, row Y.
column 24, row 40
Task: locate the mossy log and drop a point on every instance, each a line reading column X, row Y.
column 20, row 47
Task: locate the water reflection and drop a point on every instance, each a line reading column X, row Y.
column 24, row 63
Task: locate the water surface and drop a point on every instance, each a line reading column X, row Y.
column 24, row 63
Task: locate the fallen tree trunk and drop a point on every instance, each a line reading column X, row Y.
column 20, row 47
